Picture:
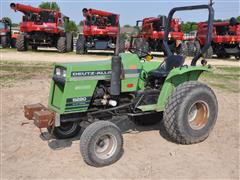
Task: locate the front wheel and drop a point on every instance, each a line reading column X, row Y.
column 69, row 41
column 62, row 45
column 122, row 45
column 80, row 45
column 190, row 113
column 66, row 130
column 21, row 43
column 101, row 144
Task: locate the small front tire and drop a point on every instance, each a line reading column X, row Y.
column 101, row 144
column 66, row 130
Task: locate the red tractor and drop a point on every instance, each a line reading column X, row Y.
column 42, row 27
column 225, row 42
column 100, row 32
column 5, row 33
column 151, row 35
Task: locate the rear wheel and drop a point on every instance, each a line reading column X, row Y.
column 191, row 49
column 66, row 130
column 221, row 53
column 21, row 43
column 121, row 45
column 69, row 39
column 61, row 45
column 182, row 49
column 197, row 47
column 80, row 46
column 101, row 144
column 190, row 113
column 4, row 42
column 209, row 53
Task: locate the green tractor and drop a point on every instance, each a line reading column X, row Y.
column 93, row 95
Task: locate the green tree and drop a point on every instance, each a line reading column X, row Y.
column 188, row 26
column 7, row 20
column 124, row 36
column 238, row 19
column 127, row 26
column 50, row 5
column 70, row 26
column 81, row 23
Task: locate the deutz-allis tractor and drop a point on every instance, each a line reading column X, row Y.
column 5, row 33
column 93, row 95
column 226, row 39
column 42, row 27
column 151, row 35
column 100, row 32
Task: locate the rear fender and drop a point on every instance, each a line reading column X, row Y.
column 176, row 77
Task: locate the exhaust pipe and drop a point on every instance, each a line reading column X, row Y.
column 115, row 87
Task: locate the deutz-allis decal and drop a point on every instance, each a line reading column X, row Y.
column 90, row 73
column 103, row 74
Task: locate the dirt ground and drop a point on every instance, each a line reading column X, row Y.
column 147, row 155
column 52, row 56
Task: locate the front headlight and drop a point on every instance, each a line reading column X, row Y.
column 60, row 71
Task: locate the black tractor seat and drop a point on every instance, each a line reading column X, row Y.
column 171, row 62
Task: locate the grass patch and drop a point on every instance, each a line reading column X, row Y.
column 226, row 78
column 11, row 72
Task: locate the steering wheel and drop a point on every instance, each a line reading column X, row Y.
column 140, row 53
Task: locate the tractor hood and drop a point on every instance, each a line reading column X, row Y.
column 99, row 69
column 73, row 84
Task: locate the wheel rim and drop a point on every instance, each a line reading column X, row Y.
column 198, row 115
column 68, row 127
column 105, row 146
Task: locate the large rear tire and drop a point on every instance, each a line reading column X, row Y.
column 66, row 130
column 80, row 46
column 21, row 43
column 69, row 37
column 62, row 45
column 190, row 113
column 101, row 144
